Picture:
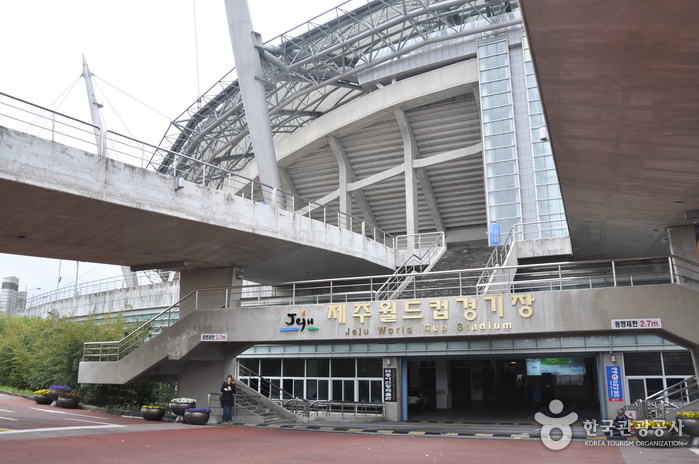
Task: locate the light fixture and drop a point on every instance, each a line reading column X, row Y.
column 239, row 274
column 179, row 183
column 613, row 357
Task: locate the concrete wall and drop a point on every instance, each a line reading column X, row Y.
column 158, row 296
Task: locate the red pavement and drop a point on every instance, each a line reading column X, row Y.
column 31, row 433
column 253, row 445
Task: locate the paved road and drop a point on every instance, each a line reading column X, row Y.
column 33, row 433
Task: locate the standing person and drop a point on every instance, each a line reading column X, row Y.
column 228, row 390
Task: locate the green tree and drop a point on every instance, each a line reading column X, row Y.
column 36, row 353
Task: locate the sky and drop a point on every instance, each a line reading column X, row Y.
column 150, row 60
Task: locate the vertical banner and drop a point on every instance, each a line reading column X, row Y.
column 494, row 234
column 389, row 384
column 614, row 388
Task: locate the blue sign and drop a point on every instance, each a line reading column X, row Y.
column 614, row 388
column 494, row 234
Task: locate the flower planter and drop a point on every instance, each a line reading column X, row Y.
column 196, row 417
column 179, row 408
column 690, row 429
column 42, row 399
column 152, row 414
column 68, row 403
column 53, row 394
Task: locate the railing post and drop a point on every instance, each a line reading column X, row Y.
column 671, row 267
column 614, row 272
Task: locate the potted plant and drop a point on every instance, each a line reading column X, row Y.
column 197, row 416
column 178, row 406
column 55, row 390
column 690, row 426
column 152, row 412
column 69, row 399
column 42, row 396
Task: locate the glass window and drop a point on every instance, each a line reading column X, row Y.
column 546, row 177
column 678, row 363
column 252, row 364
column 498, row 127
column 318, row 368
column 370, row 390
column 535, row 107
column 544, row 162
column 500, row 154
column 496, row 114
column 492, row 88
column 504, row 211
column 294, row 368
column 494, row 101
column 270, row 367
column 503, row 197
column 497, row 141
column 502, row 182
column 369, row 367
column 343, row 368
column 643, row 364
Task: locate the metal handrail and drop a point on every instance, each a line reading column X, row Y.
column 517, row 232
column 658, row 405
column 275, row 393
column 398, row 279
column 78, row 134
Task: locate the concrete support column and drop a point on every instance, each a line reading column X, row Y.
column 252, row 88
column 200, row 378
column 411, row 152
column 443, row 384
column 683, row 243
column 345, row 176
column 229, row 280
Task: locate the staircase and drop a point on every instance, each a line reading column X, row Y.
column 427, row 250
column 249, row 402
column 258, row 397
column 665, row 404
column 456, row 257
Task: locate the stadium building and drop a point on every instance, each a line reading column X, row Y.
column 478, row 244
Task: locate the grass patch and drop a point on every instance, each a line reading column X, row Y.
column 7, row 388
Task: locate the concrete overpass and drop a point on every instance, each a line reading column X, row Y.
column 62, row 202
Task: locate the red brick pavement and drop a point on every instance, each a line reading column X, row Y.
column 201, row 444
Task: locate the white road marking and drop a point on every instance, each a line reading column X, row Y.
column 63, row 412
column 56, row 429
column 6, row 410
column 7, row 418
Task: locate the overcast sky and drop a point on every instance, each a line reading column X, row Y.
column 142, row 53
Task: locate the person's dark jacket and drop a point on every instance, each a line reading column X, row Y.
column 227, row 396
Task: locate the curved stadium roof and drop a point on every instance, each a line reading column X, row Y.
column 329, row 62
